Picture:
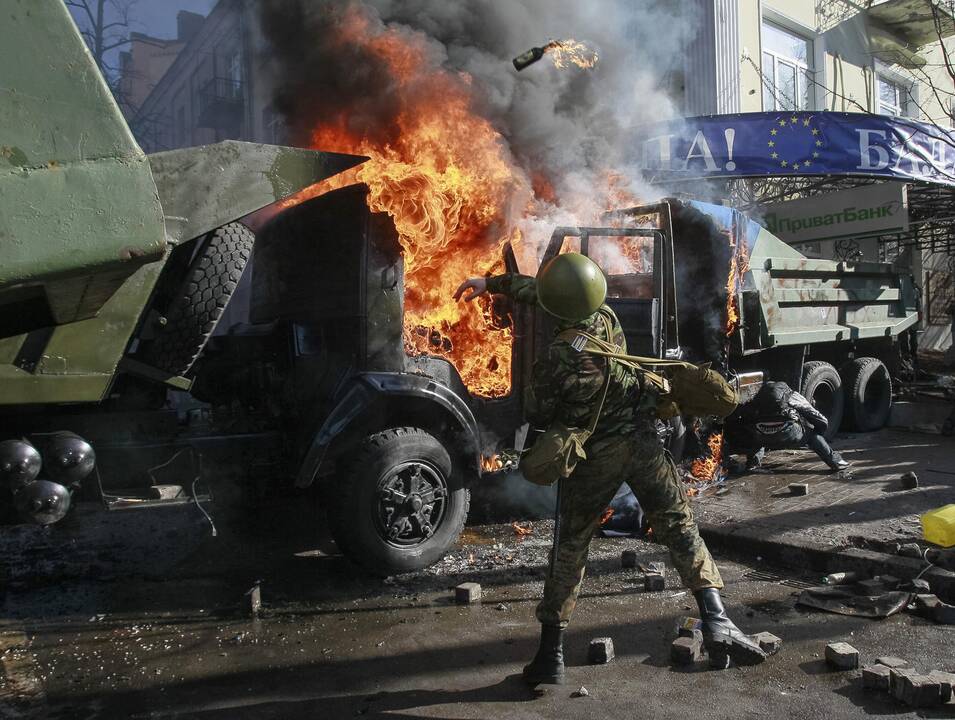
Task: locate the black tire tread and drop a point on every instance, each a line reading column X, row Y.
column 201, row 299
column 339, row 518
column 852, row 373
column 808, row 369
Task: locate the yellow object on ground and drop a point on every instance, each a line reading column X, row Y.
column 938, row 526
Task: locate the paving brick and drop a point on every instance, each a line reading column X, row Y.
column 467, row 593
column 876, row 677
column 653, row 582
column 889, row 581
column 600, row 651
column 687, row 650
column 842, row 656
column 891, row 662
column 628, row 559
column 918, row 691
column 946, row 683
column 896, row 678
column 925, row 605
column 768, row 642
column 799, row 488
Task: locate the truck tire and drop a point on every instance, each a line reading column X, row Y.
column 868, row 390
column 822, row 386
column 197, row 306
column 399, row 481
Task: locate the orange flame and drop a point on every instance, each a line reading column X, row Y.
column 522, row 530
column 571, row 52
column 491, row 463
column 705, row 468
column 607, row 514
column 446, row 181
column 739, row 264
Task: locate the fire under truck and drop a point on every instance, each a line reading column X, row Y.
column 132, row 391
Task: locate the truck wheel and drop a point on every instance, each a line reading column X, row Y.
column 868, row 389
column 201, row 299
column 822, row 386
column 401, row 505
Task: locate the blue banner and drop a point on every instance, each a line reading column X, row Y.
column 797, row 143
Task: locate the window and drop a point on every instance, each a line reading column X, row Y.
column 787, row 72
column 893, row 97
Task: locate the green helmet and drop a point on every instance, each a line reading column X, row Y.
column 571, row 286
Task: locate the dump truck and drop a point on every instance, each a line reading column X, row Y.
column 135, row 395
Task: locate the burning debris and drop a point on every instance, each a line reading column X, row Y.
column 563, row 52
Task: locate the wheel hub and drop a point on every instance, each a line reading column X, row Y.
column 412, row 499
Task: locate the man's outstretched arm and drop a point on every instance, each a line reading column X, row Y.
column 520, row 288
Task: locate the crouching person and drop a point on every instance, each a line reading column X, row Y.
column 780, row 418
column 574, row 388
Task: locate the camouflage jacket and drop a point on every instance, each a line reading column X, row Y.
column 566, row 385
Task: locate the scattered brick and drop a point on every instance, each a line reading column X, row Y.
column 917, row 690
column 946, row 683
column 925, row 605
column 687, row 650
column 467, row 593
column 891, row 662
column 896, row 676
column 628, row 559
column 842, row 656
column 653, row 582
column 799, row 488
column 768, row 642
column 876, row 677
column 600, row 651
column 889, row 581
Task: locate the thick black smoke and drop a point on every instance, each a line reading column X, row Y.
column 565, row 124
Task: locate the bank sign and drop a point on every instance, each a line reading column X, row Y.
column 797, row 143
column 868, row 210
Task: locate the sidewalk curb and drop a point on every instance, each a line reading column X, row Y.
column 749, row 543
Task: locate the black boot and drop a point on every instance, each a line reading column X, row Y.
column 547, row 667
column 722, row 639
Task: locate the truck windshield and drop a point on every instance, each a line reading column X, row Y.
column 628, row 264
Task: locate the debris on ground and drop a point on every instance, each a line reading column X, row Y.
column 851, row 600
column 891, row 662
column 467, row 593
column 909, row 480
column 876, row 677
column 653, row 582
column 600, row 651
column 769, row 643
column 687, row 649
column 842, row 656
column 628, row 559
column 799, row 489
column 580, row 692
column 255, row 599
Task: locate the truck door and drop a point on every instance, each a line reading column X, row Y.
column 631, row 258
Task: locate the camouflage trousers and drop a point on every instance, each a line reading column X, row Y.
column 643, row 464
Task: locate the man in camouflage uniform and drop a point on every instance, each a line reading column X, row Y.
column 566, row 387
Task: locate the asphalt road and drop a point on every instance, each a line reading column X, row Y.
column 333, row 643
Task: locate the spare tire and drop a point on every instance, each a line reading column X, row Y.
column 868, row 391
column 198, row 304
column 822, row 386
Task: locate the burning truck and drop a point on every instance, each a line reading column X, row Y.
column 350, row 369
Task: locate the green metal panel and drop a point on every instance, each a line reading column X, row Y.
column 78, row 207
column 202, row 188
